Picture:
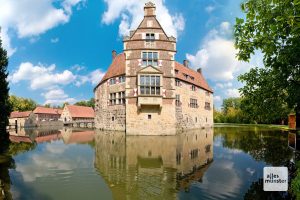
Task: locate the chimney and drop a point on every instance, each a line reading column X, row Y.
column 114, row 54
column 186, row 63
column 149, row 9
column 199, row 70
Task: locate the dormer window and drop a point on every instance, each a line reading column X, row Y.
column 185, row 76
column 176, row 71
column 150, row 58
column 150, row 37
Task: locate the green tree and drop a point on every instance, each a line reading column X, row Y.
column 89, row 103
column 5, row 107
column 273, row 27
column 22, row 104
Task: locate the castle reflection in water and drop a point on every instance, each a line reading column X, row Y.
column 138, row 167
column 144, row 166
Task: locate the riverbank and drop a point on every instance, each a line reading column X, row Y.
column 275, row 126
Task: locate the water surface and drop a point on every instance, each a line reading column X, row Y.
column 219, row 163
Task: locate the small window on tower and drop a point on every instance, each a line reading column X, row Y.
column 150, row 37
column 149, row 116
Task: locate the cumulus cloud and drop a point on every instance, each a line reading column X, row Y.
column 218, row 54
column 51, row 81
column 29, row 21
column 232, row 92
column 131, row 13
column 57, row 96
column 94, row 78
column 41, row 77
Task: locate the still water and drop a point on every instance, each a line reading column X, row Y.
column 218, row 163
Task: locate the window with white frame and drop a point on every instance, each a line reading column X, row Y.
column 112, row 81
column 150, row 37
column 122, row 79
column 150, row 85
column 177, row 82
column 117, row 98
column 150, row 58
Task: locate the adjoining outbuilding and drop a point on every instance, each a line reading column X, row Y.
column 82, row 116
column 21, row 119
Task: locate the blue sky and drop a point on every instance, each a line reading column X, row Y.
column 60, row 49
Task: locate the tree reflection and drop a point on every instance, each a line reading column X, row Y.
column 256, row 192
column 7, row 162
column 262, row 144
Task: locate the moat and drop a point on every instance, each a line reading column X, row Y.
column 219, row 163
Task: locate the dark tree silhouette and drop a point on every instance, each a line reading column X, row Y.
column 5, row 107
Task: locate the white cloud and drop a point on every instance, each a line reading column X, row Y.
column 6, row 42
column 57, row 97
column 41, row 77
column 54, row 40
column 77, row 67
column 209, row 9
column 28, row 20
column 224, row 85
column 217, row 55
column 217, row 99
column 131, row 13
column 60, row 101
column 55, row 94
column 232, row 92
column 94, row 78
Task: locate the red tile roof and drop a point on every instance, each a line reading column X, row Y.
column 44, row 110
column 198, row 77
column 81, row 137
column 48, row 138
column 18, row 139
column 17, row 114
column 117, row 68
column 81, row 111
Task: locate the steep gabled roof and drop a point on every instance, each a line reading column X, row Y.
column 199, row 80
column 44, row 110
column 81, row 111
column 17, row 114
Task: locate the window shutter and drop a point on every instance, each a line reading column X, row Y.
column 164, row 92
column 143, row 36
column 135, row 92
column 140, row 62
column 108, row 81
column 160, row 63
column 156, row 36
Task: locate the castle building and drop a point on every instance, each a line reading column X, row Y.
column 146, row 92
